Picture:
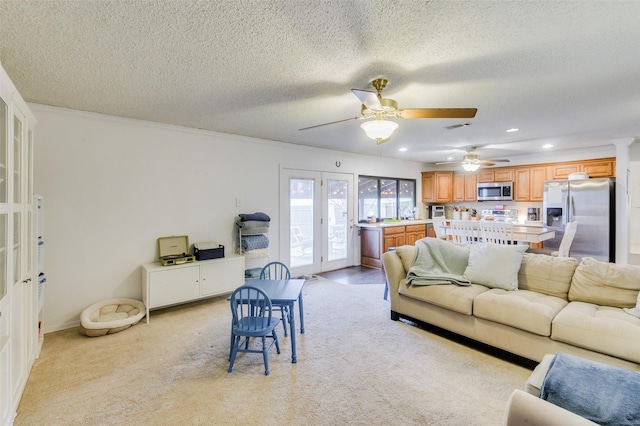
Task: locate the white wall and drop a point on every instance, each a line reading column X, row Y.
column 112, row 186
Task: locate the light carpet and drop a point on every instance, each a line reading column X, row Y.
column 355, row 366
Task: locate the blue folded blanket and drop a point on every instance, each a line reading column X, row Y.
column 263, row 217
column 253, row 242
column 599, row 392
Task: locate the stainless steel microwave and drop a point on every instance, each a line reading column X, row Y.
column 495, row 191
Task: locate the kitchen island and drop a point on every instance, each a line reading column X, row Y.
column 377, row 238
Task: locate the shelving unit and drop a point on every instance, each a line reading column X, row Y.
column 255, row 258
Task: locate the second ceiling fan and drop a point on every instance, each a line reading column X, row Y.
column 472, row 162
column 375, row 107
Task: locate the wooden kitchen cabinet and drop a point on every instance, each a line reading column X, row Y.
column 464, row 186
column 521, row 183
column 374, row 241
column 601, row 167
column 414, row 233
column 428, row 187
column 536, row 183
column 444, row 187
column 371, row 247
column 498, row 174
column 562, row 171
column 503, row 175
column 437, row 187
column 485, row 176
column 529, row 183
column 392, row 237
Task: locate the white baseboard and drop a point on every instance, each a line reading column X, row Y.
column 62, row 326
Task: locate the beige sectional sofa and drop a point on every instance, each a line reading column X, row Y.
column 559, row 305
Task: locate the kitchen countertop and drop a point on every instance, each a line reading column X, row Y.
column 399, row 223
column 528, row 224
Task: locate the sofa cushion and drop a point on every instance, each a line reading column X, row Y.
column 407, row 255
column 606, row 284
column 450, row 296
column 545, row 274
column 523, row 309
column 601, row 329
column 495, row 265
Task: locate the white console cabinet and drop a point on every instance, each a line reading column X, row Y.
column 171, row 285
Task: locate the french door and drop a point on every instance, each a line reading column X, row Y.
column 317, row 217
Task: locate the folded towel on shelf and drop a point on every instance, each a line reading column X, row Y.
column 259, row 216
column 253, row 242
column 253, row 226
column 252, row 273
column 255, row 254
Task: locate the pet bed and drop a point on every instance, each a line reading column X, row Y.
column 111, row 316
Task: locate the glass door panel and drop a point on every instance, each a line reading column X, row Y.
column 17, row 247
column 317, row 221
column 301, row 221
column 337, row 218
column 337, row 226
column 17, row 160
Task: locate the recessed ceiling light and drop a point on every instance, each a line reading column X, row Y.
column 403, row 149
column 449, row 158
column 547, row 145
column 511, row 130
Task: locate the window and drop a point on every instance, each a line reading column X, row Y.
column 385, row 198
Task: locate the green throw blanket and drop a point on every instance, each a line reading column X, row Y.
column 439, row 262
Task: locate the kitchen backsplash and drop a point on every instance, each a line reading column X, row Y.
column 521, row 207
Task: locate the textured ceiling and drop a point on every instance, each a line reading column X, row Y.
column 565, row 72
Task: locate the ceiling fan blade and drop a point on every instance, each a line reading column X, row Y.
column 457, row 126
column 333, row 122
column 504, row 160
column 447, row 162
column 368, row 99
column 381, row 141
column 438, row 112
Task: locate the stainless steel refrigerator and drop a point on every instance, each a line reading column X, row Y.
column 590, row 202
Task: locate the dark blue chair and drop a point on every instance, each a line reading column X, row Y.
column 251, row 312
column 277, row 271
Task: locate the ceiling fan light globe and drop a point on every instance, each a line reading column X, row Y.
column 379, row 129
column 470, row 167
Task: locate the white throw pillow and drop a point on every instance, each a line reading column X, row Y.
column 495, row 265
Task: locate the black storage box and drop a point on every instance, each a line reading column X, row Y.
column 208, row 250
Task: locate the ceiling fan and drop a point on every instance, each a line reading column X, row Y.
column 472, row 162
column 375, row 107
